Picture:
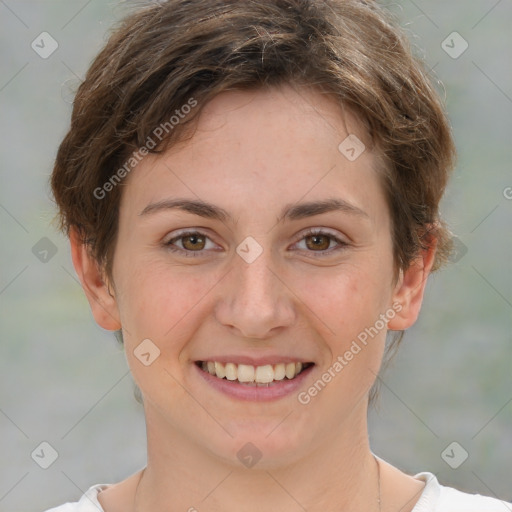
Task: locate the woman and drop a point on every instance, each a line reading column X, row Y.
column 251, row 191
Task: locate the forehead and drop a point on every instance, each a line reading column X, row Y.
column 290, row 113
column 282, row 140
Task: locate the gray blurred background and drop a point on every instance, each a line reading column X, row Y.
column 65, row 381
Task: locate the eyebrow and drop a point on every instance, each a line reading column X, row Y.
column 289, row 212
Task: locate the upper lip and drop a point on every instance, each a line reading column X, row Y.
column 255, row 360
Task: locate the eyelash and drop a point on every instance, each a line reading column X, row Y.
column 310, row 232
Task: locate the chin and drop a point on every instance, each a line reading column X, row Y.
column 261, row 444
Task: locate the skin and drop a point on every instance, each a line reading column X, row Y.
column 266, row 149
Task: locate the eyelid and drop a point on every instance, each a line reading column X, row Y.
column 320, row 231
column 304, row 234
column 324, row 232
column 168, row 242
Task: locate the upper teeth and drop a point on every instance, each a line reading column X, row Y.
column 248, row 373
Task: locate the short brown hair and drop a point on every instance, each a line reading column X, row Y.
column 165, row 54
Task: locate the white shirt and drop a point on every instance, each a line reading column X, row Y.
column 434, row 498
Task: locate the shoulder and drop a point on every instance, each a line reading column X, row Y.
column 87, row 503
column 452, row 500
column 439, row 498
column 117, row 495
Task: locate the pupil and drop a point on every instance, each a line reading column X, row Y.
column 192, row 241
column 319, row 241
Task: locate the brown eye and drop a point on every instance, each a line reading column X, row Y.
column 193, row 242
column 320, row 242
column 317, row 243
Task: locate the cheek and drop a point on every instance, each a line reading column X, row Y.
column 160, row 301
column 348, row 304
column 346, row 299
column 162, row 304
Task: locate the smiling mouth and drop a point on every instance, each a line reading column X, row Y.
column 253, row 375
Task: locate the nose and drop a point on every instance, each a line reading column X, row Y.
column 254, row 300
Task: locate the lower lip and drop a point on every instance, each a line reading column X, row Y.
column 278, row 389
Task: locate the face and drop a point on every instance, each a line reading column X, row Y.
column 257, row 251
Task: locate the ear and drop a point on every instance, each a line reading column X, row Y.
column 410, row 288
column 103, row 303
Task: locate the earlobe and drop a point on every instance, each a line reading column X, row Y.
column 102, row 301
column 410, row 288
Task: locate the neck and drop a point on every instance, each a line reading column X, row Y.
column 339, row 474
